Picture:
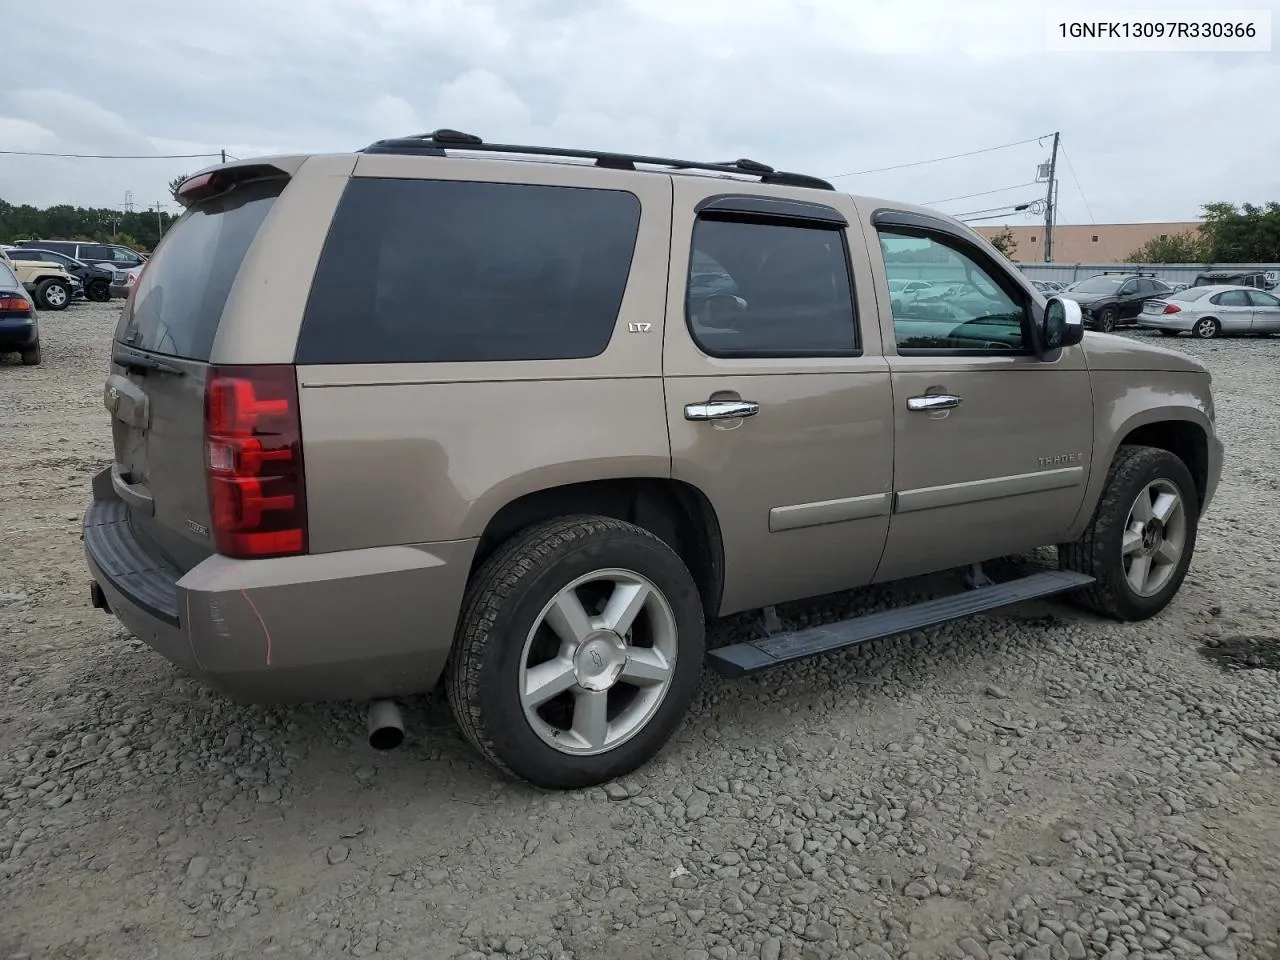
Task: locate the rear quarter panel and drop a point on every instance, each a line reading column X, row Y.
column 425, row 452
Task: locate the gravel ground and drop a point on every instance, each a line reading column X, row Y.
column 1039, row 784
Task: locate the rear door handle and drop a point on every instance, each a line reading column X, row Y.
column 721, row 410
column 933, row 401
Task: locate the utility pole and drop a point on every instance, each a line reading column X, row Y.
column 1050, row 196
column 159, row 220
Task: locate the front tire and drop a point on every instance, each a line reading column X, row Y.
column 1140, row 540
column 578, row 651
column 99, row 291
column 1107, row 320
column 53, row 295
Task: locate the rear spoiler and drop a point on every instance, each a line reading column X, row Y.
column 217, row 180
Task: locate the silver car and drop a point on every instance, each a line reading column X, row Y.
column 1207, row 312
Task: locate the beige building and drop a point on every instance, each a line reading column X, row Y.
column 1087, row 243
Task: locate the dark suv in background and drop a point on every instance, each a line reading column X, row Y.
column 96, row 280
column 113, row 254
column 1109, row 300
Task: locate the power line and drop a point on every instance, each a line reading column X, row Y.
column 1079, row 189
column 954, row 156
column 108, row 156
column 984, row 193
column 1008, row 206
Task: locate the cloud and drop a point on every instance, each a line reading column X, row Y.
column 821, row 86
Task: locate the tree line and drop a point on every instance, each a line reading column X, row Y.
column 1231, row 233
column 140, row 229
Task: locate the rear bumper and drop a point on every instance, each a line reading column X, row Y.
column 354, row 625
column 17, row 334
column 1165, row 322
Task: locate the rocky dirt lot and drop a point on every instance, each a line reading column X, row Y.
column 1040, row 784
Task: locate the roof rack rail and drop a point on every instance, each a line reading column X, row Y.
column 1131, row 273
column 435, row 143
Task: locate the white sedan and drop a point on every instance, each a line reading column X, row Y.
column 1207, row 312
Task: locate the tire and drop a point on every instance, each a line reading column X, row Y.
column 1107, row 320
column 1168, row 333
column 1206, row 329
column 502, row 632
column 53, row 295
column 99, row 291
column 31, row 356
column 1136, row 472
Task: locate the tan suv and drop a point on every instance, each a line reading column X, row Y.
column 521, row 419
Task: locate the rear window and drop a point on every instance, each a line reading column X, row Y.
column 180, row 296
column 418, row 271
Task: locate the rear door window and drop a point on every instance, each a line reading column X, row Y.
column 434, row 271
column 180, row 296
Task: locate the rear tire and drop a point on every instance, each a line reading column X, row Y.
column 536, row 618
column 1206, row 329
column 53, row 295
column 31, row 357
column 1140, row 540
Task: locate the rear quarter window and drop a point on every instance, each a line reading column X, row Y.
column 421, row 271
column 180, row 296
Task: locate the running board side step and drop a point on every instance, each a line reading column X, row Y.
column 741, row 659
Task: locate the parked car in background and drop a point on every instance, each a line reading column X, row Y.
column 126, row 280
column 1049, row 288
column 19, row 323
column 112, row 254
column 96, row 280
column 1110, row 300
column 908, row 291
column 294, row 512
column 1207, row 312
column 1257, row 279
column 49, row 283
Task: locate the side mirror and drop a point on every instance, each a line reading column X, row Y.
column 1063, row 324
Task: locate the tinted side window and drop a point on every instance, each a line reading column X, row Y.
column 1232, row 298
column 1261, row 299
column 976, row 308
column 423, row 271
column 95, row 252
column 763, row 289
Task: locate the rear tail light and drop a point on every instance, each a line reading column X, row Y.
column 1170, row 308
column 12, row 302
column 253, row 460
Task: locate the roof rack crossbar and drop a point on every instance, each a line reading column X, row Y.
column 435, row 143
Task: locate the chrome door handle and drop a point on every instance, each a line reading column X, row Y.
column 933, row 401
column 721, row 410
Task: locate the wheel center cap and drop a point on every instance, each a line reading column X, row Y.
column 599, row 661
column 1152, row 535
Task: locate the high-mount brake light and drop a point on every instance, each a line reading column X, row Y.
column 253, row 461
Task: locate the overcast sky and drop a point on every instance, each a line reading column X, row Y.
column 826, row 87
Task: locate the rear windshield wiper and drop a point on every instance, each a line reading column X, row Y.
column 143, row 364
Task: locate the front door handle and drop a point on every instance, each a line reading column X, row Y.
column 933, row 401
column 721, row 410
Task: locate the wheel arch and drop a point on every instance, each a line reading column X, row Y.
column 674, row 511
column 1183, row 431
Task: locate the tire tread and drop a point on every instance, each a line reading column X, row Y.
column 498, row 578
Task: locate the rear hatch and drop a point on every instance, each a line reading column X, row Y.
column 155, row 392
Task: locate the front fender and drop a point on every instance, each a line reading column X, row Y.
column 1123, row 405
